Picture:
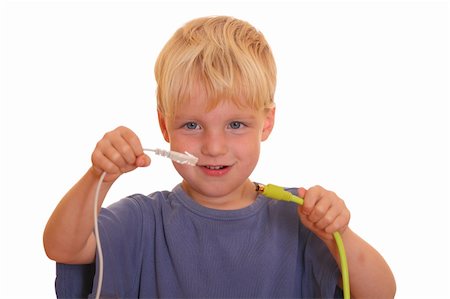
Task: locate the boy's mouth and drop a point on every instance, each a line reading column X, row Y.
column 216, row 170
column 215, row 167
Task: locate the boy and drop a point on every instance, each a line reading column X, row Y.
column 212, row 235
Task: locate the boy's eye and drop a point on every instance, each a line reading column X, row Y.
column 235, row 125
column 191, row 125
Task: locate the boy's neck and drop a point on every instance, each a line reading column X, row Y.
column 240, row 198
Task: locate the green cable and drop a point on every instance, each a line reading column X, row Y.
column 279, row 193
column 344, row 265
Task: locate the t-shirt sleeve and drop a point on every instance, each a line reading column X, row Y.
column 120, row 229
column 322, row 266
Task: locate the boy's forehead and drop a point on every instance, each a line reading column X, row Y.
column 199, row 98
column 199, row 105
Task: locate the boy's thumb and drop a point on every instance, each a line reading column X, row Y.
column 143, row 161
column 301, row 192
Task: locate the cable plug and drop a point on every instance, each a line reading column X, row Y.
column 178, row 157
column 277, row 192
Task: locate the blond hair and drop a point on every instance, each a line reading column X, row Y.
column 226, row 57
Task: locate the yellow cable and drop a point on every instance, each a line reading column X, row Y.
column 276, row 192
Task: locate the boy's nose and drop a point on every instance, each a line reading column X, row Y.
column 214, row 144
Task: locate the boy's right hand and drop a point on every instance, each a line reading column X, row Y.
column 118, row 152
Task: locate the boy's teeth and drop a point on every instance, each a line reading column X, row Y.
column 214, row 167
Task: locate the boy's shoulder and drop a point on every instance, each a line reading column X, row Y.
column 135, row 207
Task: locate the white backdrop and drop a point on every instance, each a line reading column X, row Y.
column 363, row 109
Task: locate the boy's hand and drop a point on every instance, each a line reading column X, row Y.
column 118, row 152
column 323, row 212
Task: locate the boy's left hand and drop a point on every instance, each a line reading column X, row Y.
column 323, row 212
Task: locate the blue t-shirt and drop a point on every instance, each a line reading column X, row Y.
column 167, row 245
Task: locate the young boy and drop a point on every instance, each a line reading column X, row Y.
column 212, row 235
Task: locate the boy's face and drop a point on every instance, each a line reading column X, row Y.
column 227, row 142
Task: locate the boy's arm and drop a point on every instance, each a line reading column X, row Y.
column 68, row 236
column 323, row 212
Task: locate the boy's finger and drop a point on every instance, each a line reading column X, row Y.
column 339, row 224
column 133, row 141
column 103, row 163
column 301, row 192
column 143, row 160
column 113, row 155
column 321, row 210
column 328, row 219
column 311, row 197
column 125, row 150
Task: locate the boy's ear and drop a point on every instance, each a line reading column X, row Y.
column 269, row 122
column 163, row 126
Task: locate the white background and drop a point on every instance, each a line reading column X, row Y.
column 363, row 109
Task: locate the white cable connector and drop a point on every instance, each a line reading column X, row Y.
column 181, row 158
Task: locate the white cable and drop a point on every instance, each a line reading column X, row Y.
column 97, row 238
column 181, row 158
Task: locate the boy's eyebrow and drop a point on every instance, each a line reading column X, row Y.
column 247, row 116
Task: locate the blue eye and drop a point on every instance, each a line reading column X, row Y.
column 235, row 125
column 191, row 125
